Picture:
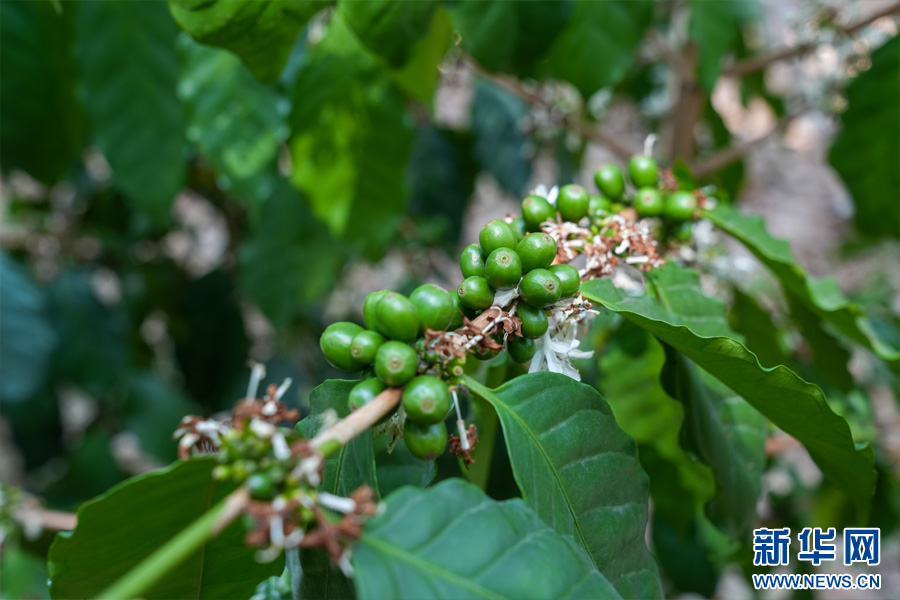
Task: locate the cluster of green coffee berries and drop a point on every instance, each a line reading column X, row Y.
column 248, row 458
column 650, row 199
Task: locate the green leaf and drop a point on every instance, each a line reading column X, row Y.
column 234, row 121
column 152, row 410
column 260, row 32
column 42, row 122
column 111, row 539
column 761, row 335
column 315, row 578
column 796, row 406
column 389, row 28
column 500, row 146
column 830, row 356
column 597, row 47
column 714, row 27
column 822, row 296
column 400, row 467
column 729, row 436
column 129, row 96
column 866, row 158
column 419, row 75
column 509, row 37
column 452, row 541
column 351, row 140
column 579, row 472
column 27, row 338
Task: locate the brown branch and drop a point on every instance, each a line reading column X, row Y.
column 53, row 520
column 758, row 63
column 358, row 421
column 726, row 156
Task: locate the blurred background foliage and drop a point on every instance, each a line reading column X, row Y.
column 193, row 184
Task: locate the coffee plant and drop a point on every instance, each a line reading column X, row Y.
column 599, row 392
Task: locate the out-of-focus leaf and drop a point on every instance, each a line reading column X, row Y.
column 90, row 469
column 579, row 472
column 760, row 334
column 714, row 29
column 389, row 28
column 682, row 556
column 235, row 121
column 730, row 177
column 128, row 70
column 829, row 355
column 822, row 296
column 260, row 32
column 22, row 574
column 597, row 46
column 414, row 550
column 110, row 540
column 400, row 467
column 509, row 37
column 351, row 140
column 500, row 146
column 27, row 338
column 42, row 122
column 153, row 410
column 419, row 75
column 864, row 155
column 796, row 406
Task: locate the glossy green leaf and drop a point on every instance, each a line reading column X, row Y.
column 597, row 46
column 727, row 434
column 42, row 122
column 796, row 406
column 579, row 472
column 110, row 539
column 351, row 140
column 27, row 337
column 509, row 37
column 863, row 155
column 260, row 32
column 130, row 98
column 822, row 296
column 452, row 541
column 234, row 121
column 501, row 148
column 399, row 467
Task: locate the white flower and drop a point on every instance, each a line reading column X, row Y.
column 555, row 354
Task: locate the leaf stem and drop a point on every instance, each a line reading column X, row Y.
column 178, row 549
column 356, row 422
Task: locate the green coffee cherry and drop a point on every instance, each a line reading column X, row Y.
column 643, row 171
column 426, row 400
column 456, row 367
column 456, row 320
column 536, row 210
column 471, row 261
column 396, row 363
column 335, row 344
column 518, row 227
column 397, row 317
column 680, row 206
column 261, row 486
column 599, row 207
column 364, row 392
column 434, row 305
column 364, row 346
column 572, row 202
column 475, row 293
column 610, row 181
column 369, row 305
column 534, row 320
column 569, row 280
column 540, row 288
column 503, row 269
column 521, row 349
column 496, row 234
column 537, row 251
column 426, row 442
column 648, row 202
column 684, row 232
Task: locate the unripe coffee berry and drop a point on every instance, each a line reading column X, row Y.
column 536, row 210
column 426, row 442
column 610, row 181
column 540, row 288
column 680, row 206
column 496, row 234
column 456, row 321
column 534, row 320
column 521, row 349
column 434, row 305
column 569, row 279
column 537, row 251
column 261, row 486
column 365, row 345
column 335, row 344
column 648, row 202
column 369, row 305
column 426, row 400
column 364, row 392
column 396, row 363
column 599, row 207
column 503, row 269
column 397, row 317
column 643, row 171
column 572, row 202
column 471, row 261
column 475, row 293
column 518, row 227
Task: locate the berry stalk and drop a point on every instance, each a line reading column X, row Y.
column 356, row 422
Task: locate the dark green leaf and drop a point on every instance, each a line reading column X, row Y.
column 110, row 539
column 822, row 296
column 452, row 541
column 234, row 121
column 761, row 335
column 153, row 410
column 22, row 574
column 597, row 47
column 863, row 154
column 389, row 28
column 129, row 95
column 796, row 406
column 27, row 338
column 829, row 355
column 714, row 29
column 419, row 75
column 579, row 472
column 42, row 122
column 260, row 32
column 400, row 467
column 500, row 146
column 509, row 37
